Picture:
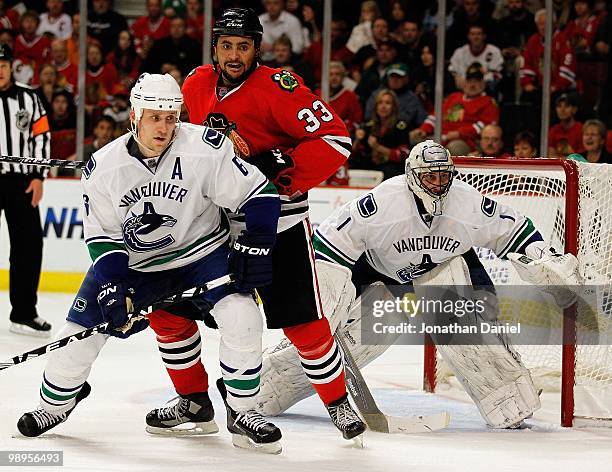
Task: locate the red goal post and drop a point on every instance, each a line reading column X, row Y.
column 549, row 192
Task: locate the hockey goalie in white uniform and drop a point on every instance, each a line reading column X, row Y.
column 415, row 228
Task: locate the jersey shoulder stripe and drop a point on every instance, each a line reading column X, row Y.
column 263, row 190
column 523, row 234
column 328, row 251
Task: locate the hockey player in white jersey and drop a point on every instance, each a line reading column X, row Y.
column 154, row 225
column 415, row 227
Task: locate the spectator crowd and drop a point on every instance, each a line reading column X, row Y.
column 382, row 74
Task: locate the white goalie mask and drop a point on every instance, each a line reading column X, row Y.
column 155, row 92
column 429, row 172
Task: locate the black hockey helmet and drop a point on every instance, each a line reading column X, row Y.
column 6, row 53
column 238, row 22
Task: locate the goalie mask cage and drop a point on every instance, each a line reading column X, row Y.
column 571, row 204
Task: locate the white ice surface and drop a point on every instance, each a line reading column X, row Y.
column 106, row 431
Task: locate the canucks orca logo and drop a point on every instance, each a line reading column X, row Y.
column 140, row 225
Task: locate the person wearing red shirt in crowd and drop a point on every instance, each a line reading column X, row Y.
column 298, row 141
column 346, row 104
column 99, row 79
column 9, row 18
column 125, row 59
column 195, row 20
column 67, row 72
column 464, row 115
column 580, row 32
column 62, row 122
column 31, row 48
column 150, row 27
column 566, row 136
column 339, row 52
column 563, row 75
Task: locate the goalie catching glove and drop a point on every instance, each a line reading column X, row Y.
column 276, row 166
column 116, row 306
column 553, row 273
column 251, row 261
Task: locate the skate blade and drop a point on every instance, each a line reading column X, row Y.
column 188, row 429
column 27, row 331
column 243, row 442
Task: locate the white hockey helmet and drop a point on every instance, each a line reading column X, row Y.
column 429, row 157
column 155, row 92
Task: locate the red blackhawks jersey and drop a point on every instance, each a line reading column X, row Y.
column 580, row 33
column 466, row 115
column 563, row 63
column 273, row 109
column 33, row 52
column 566, row 141
column 143, row 29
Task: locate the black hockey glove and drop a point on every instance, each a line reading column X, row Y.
column 251, row 261
column 276, row 166
column 116, row 306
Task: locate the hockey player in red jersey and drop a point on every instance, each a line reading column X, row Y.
column 297, row 141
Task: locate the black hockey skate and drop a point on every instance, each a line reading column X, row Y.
column 191, row 415
column 345, row 419
column 249, row 429
column 40, row 421
column 37, row 327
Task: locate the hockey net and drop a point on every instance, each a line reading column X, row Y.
column 571, row 204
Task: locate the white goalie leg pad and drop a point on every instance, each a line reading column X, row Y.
column 68, row 368
column 491, row 373
column 241, row 327
column 283, row 381
column 336, row 290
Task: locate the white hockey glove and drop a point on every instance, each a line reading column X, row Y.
column 554, row 274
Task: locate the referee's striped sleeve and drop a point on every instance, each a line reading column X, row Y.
column 40, row 134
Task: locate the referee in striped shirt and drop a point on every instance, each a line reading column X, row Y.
column 24, row 131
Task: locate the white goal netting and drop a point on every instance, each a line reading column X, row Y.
column 540, row 190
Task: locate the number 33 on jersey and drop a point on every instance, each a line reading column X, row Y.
column 273, row 109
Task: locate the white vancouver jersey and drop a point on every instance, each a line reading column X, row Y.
column 166, row 212
column 389, row 227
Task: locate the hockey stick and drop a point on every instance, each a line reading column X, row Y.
column 139, row 313
column 61, row 163
column 373, row 417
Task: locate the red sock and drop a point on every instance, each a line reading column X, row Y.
column 320, row 358
column 179, row 344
